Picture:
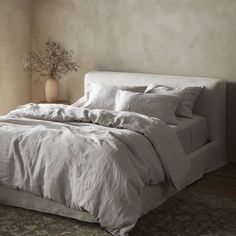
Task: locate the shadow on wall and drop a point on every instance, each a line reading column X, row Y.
column 231, row 120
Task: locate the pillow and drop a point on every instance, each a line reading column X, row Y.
column 159, row 106
column 188, row 97
column 80, row 102
column 101, row 96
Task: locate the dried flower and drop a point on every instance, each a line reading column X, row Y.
column 56, row 61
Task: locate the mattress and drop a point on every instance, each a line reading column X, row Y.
column 192, row 133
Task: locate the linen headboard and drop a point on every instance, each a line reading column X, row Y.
column 210, row 104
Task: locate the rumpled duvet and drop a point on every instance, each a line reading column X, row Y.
column 91, row 160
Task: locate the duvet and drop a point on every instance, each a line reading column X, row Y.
column 91, row 160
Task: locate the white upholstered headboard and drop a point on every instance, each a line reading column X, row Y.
column 210, row 104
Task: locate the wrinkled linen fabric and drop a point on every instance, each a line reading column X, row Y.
column 92, row 160
column 188, row 97
column 154, row 105
column 102, row 96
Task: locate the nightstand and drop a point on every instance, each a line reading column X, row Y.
column 65, row 102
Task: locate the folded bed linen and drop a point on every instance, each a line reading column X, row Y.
column 92, row 160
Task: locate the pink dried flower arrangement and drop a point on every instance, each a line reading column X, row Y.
column 56, row 61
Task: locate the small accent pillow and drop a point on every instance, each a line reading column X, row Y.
column 188, row 97
column 154, row 105
column 101, row 96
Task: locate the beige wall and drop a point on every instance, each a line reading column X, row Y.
column 185, row 37
column 15, row 85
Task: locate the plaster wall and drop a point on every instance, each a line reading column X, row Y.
column 15, row 85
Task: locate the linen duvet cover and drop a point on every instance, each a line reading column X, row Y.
column 91, row 160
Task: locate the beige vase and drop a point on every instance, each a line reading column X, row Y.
column 51, row 90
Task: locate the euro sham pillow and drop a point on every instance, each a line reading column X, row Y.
column 188, row 97
column 154, row 105
column 101, row 96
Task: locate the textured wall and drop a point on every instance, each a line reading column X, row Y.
column 15, row 85
column 185, row 37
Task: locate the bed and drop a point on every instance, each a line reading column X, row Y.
column 202, row 138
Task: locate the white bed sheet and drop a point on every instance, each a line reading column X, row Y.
column 192, row 133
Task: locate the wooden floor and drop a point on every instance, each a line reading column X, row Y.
column 221, row 181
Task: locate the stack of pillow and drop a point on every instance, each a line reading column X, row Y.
column 158, row 101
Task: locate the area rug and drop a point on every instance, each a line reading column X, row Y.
column 187, row 213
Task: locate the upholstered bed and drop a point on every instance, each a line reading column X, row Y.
column 202, row 138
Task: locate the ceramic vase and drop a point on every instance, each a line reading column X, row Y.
column 51, row 90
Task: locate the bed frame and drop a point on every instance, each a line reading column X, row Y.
column 211, row 104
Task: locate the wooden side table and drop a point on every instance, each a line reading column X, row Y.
column 65, row 102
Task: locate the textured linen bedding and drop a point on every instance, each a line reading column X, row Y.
column 192, row 133
column 92, row 160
